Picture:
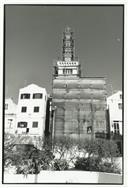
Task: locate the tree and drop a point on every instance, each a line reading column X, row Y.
column 98, row 155
column 65, row 151
column 25, row 157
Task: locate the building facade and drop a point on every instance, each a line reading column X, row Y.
column 10, row 116
column 31, row 110
column 114, row 104
column 80, row 102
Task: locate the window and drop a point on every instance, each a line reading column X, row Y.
column 67, row 71
column 68, row 43
column 116, row 128
column 120, row 96
column 6, row 106
column 24, row 109
column 25, row 96
column 35, row 124
column 37, row 96
column 64, row 71
column 36, row 109
column 22, row 124
column 56, row 71
column 10, row 123
column 120, row 106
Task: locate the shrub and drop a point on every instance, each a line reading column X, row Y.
column 89, row 164
column 65, row 151
column 94, row 164
column 27, row 160
column 109, row 168
column 96, row 151
column 60, row 164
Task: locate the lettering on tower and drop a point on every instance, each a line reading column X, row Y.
column 68, row 66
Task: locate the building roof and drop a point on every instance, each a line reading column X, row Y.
column 10, row 99
column 114, row 95
column 32, row 86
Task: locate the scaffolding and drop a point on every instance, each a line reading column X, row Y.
column 80, row 107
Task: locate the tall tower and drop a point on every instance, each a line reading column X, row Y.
column 79, row 101
column 68, row 45
column 68, row 65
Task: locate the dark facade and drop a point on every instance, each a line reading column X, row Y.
column 80, row 102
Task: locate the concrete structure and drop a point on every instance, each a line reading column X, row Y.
column 31, row 111
column 48, row 127
column 80, row 102
column 65, row 177
column 114, row 104
column 10, row 116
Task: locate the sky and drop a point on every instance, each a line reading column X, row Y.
column 33, row 40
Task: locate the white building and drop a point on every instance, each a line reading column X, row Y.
column 114, row 103
column 31, row 110
column 10, row 116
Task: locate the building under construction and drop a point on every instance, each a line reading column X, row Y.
column 79, row 102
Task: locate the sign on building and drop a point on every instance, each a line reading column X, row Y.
column 89, row 129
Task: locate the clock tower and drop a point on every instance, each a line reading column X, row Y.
column 79, row 102
column 69, row 66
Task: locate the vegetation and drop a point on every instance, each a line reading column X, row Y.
column 89, row 155
column 99, row 155
column 65, row 151
column 27, row 159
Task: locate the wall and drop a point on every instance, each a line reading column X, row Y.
column 65, row 177
column 114, row 112
column 10, row 116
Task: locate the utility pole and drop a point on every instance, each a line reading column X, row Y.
column 92, row 118
column 79, row 121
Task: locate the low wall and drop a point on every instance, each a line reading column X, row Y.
column 65, row 177
column 109, row 178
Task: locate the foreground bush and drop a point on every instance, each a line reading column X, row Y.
column 88, row 164
column 109, row 168
column 94, row 164
column 96, row 151
column 26, row 158
column 63, row 154
column 60, row 164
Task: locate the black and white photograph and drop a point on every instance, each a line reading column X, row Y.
column 63, row 94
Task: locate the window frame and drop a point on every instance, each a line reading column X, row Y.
column 116, row 127
column 24, row 107
column 22, row 122
column 120, row 96
column 67, row 71
column 35, row 122
column 34, row 94
column 120, row 106
column 36, row 107
column 10, row 120
column 23, row 94
column 6, row 106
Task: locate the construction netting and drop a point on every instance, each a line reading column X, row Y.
column 80, row 107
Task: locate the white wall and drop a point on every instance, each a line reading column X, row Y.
column 65, row 177
column 30, row 116
column 10, row 116
column 114, row 111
